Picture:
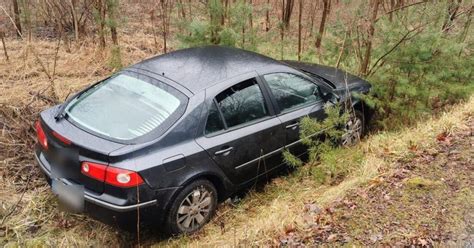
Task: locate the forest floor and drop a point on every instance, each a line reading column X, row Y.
column 426, row 200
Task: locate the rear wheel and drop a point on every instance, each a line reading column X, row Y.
column 354, row 129
column 193, row 207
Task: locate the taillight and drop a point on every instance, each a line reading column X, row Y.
column 61, row 138
column 93, row 170
column 111, row 175
column 122, row 178
column 41, row 135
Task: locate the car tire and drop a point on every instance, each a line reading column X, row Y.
column 192, row 208
column 354, row 129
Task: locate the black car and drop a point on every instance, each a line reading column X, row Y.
column 175, row 134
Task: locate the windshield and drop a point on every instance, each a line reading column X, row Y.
column 125, row 107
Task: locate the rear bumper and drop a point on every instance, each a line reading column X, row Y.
column 91, row 197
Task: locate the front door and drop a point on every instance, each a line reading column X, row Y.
column 296, row 97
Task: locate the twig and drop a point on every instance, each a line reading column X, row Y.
column 13, row 22
column 18, row 202
column 43, row 97
column 342, row 49
column 400, row 8
column 404, row 38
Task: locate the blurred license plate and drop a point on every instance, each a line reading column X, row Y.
column 71, row 197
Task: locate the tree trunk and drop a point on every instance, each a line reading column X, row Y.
column 73, row 4
column 287, row 10
column 300, row 13
column 312, row 16
column 101, row 10
column 152, row 20
column 2, row 36
column 368, row 42
column 181, row 9
column 267, row 17
column 224, row 12
column 282, row 28
column 165, row 23
column 112, row 7
column 251, row 16
column 323, row 23
column 16, row 11
column 215, row 19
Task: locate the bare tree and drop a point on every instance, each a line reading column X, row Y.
column 215, row 11
column 152, row 20
column 73, row 4
column 267, row 17
column 112, row 7
column 16, row 11
column 100, row 6
column 2, row 37
column 300, row 14
column 368, row 41
column 287, row 9
column 165, row 22
column 326, row 8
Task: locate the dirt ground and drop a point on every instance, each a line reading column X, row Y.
column 427, row 200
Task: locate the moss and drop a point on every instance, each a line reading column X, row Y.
column 418, row 182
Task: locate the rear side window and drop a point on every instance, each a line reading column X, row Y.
column 291, row 91
column 125, row 107
column 239, row 104
column 214, row 121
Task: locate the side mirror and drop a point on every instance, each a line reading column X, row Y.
column 330, row 97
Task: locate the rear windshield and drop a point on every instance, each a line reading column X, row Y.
column 126, row 107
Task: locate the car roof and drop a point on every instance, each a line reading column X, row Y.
column 200, row 67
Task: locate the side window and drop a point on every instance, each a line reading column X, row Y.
column 291, row 91
column 242, row 103
column 214, row 121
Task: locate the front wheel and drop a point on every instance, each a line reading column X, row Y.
column 192, row 208
column 354, row 129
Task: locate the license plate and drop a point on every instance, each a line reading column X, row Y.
column 71, row 197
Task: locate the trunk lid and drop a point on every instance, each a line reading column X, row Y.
column 65, row 159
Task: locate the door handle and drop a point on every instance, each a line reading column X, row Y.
column 293, row 126
column 224, row 152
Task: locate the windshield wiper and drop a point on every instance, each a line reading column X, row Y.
column 60, row 113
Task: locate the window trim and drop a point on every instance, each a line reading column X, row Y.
column 296, row 107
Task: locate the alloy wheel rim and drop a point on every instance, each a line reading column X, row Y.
column 194, row 209
column 353, row 132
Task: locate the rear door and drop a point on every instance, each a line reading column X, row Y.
column 242, row 134
column 295, row 97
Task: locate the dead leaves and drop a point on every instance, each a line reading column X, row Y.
column 385, row 212
column 444, row 137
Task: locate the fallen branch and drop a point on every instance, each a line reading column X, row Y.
column 43, row 97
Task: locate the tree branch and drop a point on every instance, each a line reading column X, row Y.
column 404, row 38
column 400, row 8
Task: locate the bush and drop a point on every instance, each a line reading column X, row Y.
column 329, row 162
